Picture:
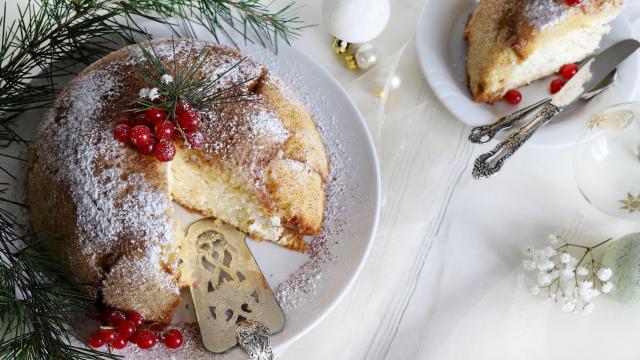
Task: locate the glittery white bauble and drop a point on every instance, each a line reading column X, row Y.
column 623, row 257
column 355, row 21
column 366, row 56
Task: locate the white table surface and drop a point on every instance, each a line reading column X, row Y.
column 439, row 283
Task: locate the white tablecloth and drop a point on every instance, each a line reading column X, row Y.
column 440, row 282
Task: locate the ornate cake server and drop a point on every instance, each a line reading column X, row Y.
column 233, row 301
column 567, row 99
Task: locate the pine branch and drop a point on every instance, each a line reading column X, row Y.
column 50, row 36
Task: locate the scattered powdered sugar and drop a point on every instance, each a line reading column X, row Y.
column 545, row 13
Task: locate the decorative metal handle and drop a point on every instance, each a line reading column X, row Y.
column 483, row 134
column 255, row 338
column 489, row 164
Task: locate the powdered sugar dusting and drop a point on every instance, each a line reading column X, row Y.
column 106, row 205
column 545, row 13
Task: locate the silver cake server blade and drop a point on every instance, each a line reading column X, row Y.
column 233, row 301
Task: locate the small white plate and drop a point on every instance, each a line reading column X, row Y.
column 442, row 53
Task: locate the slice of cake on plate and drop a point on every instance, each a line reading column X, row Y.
column 514, row 42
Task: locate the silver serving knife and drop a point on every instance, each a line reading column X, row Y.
column 567, row 99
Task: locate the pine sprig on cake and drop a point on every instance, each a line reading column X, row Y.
column 187, row 82
column 175, row 99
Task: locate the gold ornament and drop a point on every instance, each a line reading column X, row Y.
column 350, row 60
column 340, row 46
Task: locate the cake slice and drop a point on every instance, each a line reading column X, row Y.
column 514, row 42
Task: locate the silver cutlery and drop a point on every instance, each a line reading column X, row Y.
column 567, row 99
column 483, row 134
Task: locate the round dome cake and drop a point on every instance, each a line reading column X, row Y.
column 105, row 210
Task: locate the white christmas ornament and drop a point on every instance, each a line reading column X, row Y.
column 355, row 21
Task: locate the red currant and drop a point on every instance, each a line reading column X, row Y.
column 155, row 116
column 156, row 327
column 148, row 149
column 195, row 140
column 136, row 318
column 126, row 328
column 94, row 340
column 165, row 151
column 115, row 317
column 573, row 2
column 173, row 339
column 107, row 335
column 188, row 120
column 567, row 71
column 120, row 342
column 141, row 119
column 122, row 133
column 146, row 340
column 556, row 85
column 140, row 136
column 183, row 106
column 164, row 129
column 513, row 97
column 123, row 120
column 134, row 337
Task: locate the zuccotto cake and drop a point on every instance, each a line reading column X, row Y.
column 261, row 168
column 514, row 42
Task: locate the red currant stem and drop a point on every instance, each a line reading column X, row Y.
column 107, row 327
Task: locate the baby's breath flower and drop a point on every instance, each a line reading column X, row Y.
column 607, row 287
column 604, row 273
column 166, row 79
column 586, row 291
column 563, row 279
column 544, row 279
column 568, row 272
column 554, row 239
column 545, row 264
column 549, row 251
column 569, row 306
column 529, row 265
column 582, row 271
